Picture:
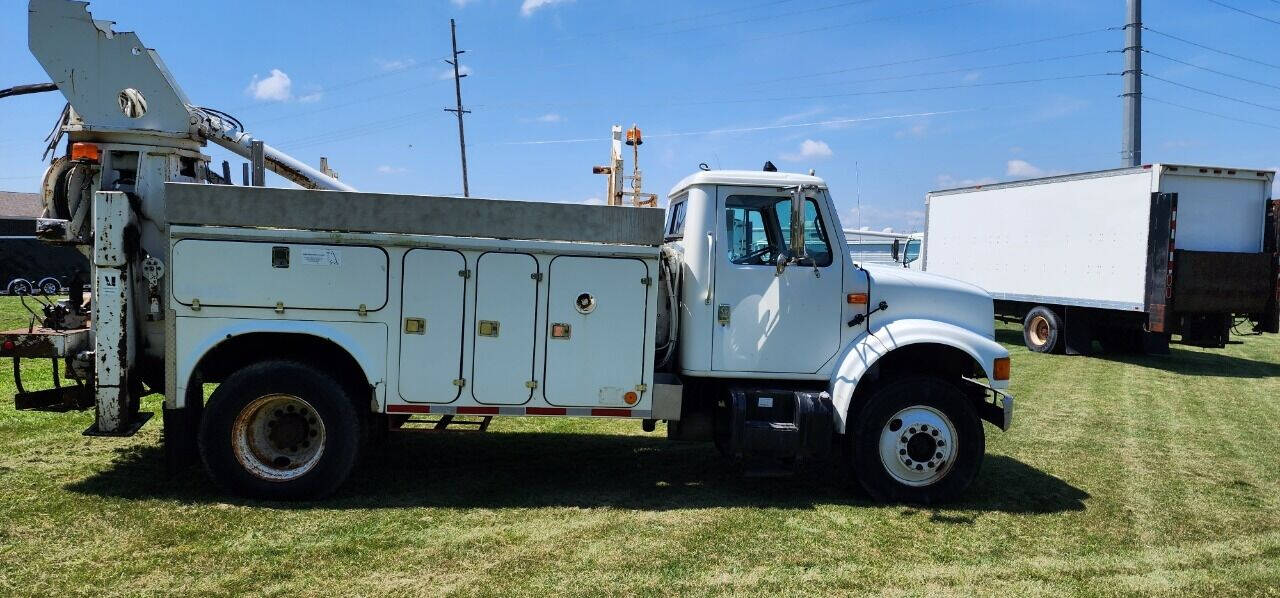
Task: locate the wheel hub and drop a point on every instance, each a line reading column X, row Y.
column 917, row 445
column 278, row 437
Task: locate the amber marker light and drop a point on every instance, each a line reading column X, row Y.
column 1000, row 370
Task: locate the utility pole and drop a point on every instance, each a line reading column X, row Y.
column 1131, row 153
column 457, row 89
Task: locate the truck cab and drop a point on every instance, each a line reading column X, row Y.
column 773, row 309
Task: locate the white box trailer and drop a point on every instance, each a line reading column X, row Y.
column 1127, row 257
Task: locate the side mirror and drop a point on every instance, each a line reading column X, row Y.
column 897, row 249
column 797, row 223
column 782, row 262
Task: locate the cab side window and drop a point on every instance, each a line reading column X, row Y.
column 675, row 220
column 758, row 230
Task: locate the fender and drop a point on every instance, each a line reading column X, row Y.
column 366, row 342
column 868, row 348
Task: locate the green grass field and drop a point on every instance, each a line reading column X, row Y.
column 1141, row 475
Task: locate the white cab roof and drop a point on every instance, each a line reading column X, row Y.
column 745, row 178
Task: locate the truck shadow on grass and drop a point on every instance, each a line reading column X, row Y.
column 1189, row 362
column 459, row 470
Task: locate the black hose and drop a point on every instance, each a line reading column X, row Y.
column 18, row 90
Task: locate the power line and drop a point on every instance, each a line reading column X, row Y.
column 633, row 28
column 721, row 45
column 1212, row 93
column 1224, row 116
column 1211, row 49
column 1217, row 72
column 975, row 68
column 1245, row 12
column 837, row 121
column 892, row 91
column 939, row 56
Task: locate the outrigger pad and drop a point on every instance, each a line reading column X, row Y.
column 139, row 419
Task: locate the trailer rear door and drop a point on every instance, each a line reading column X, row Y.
column 1218, row 212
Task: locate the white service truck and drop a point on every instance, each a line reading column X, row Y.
column 327, row 317
column 1127, row 257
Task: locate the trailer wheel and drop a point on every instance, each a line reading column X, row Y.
column 1042, row 330
column 50, row 286
column 19, row 286
column 280, row 430
column 918, row 440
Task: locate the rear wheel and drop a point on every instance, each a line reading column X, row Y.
column 918, row 440
column 280, row 430
column 19, row 286
column 1042, row 330
column 50, row 286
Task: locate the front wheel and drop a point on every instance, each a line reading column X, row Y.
column 279, row 430
column 918, row 440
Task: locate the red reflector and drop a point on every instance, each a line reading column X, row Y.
column 408, row 409
column 477, row 411
column 545, row 411
column 8, row 345
column 611, row 412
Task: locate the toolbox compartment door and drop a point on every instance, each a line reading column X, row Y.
column 502, row 332
column 288, row 275
column 431, row 326
column 599, row 355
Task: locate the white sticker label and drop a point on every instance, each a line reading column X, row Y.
column 764, row 402
column 322, row 257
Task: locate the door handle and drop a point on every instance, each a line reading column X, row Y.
column 711, row 262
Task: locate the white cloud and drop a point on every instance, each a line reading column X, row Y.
column 448, row 73
column 388, row 169
column 946, row 181
column 397, row 65
column 797, row 116
column 275, row 88
column 810, row 149
column 314, row 96
column 971, row 77
column 917, row 130
column 461, row 3
column 550, row 118
column 1023, row 168
column 529, row 6
column 593, row 201
column 871, row 217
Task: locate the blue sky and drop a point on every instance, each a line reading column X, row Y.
column 886, row 100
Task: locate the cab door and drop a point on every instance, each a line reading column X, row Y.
column 767, row 322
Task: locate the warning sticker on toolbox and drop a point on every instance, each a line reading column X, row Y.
column 322, row 257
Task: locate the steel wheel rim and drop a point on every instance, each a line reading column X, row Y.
column 906, row 438
column 278, row 437
column 1039, row 330
column 50, row 288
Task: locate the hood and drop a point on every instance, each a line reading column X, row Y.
column 912, row 294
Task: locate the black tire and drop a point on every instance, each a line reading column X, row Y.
column 19, row 286
column 921, row 395
column 50, row 287
column 331, row 401
column 1042, row 330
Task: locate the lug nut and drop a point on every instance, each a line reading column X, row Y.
column 902, row 451
column 935, row 432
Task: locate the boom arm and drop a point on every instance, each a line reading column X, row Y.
column 115, row 84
